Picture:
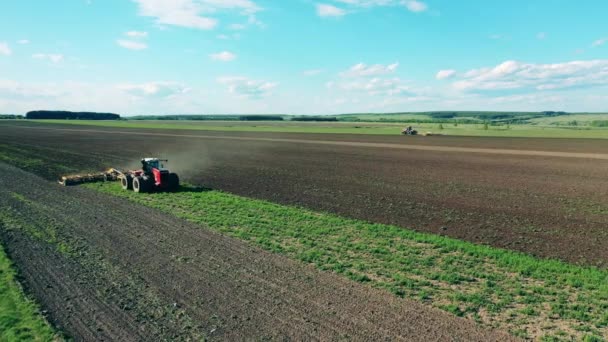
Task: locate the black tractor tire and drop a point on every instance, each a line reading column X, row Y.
column 126, row 182
column 147, row 184
column 139, row 185
column 173, row 182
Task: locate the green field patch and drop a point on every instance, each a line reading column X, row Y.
column 20, row 319
column 528, row 296
column 374, row 128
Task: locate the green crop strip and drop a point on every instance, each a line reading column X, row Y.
column 20, row 319
column 533, row 298
column 374, row 128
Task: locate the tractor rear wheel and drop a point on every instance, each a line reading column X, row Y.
column 173, row 182
column 139, row 185
column 126, row 182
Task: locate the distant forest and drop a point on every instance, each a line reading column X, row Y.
column 65, row 115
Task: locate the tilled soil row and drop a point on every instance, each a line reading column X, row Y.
column 131, row 273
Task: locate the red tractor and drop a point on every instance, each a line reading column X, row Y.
column 152, row 177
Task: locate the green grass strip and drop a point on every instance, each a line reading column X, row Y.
column 19, row 317
column 531, row 297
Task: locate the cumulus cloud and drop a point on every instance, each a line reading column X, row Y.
column 246, row 87
column 224, row 56
column 518, row 75
column 5, row 49
column 415, row 6
column 132, row 44
column 54, row 58
column 377, row 86
column 363, row 70
column 445, row 74
column 325, row 10
column 153, row 98
column 197, row 14
column 154, row 89
column 411, row 5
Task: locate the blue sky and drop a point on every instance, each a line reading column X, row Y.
column 301, row 56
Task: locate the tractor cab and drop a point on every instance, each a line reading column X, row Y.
column 149, row 164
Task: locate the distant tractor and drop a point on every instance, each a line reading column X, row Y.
column 409, row 131
column 152, row 177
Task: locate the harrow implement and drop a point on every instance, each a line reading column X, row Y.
column 107, row 176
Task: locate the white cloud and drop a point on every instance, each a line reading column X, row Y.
column 193, row 13
column 54, row 58
column 377, row 86
column 165, row 97
column 131, row 44
column 246, row 87
column 136, row 34
column 5, row 49
column 445, row 74
column 154, row 89
column 312, row 72
column 224, row 56
column 599, row 42
column 518, row 75
column 325, row 10
column 23, row 41
column 541, row 35
column 415, row 6
column 361, row 69
column 411, row 5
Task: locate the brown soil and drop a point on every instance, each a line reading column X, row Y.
column 545, row 197
column 132, row 273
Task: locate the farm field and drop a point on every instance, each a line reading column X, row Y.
column 373, row 128
column 534, row 203
column 543, row 197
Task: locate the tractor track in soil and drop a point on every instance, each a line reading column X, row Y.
column 132, row 273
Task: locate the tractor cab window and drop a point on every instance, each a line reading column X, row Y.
column 155, row 164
